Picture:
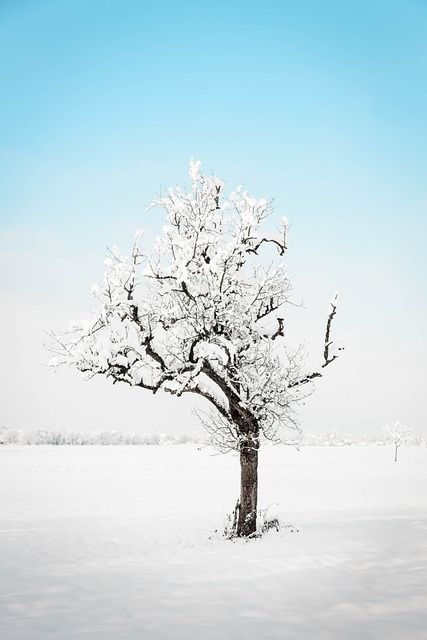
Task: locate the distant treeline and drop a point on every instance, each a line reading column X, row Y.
column 9, row 435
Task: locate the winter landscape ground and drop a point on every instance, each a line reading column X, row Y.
column 126, row 543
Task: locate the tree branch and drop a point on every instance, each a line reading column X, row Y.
column 326, row 356
column 229, row 392
column 280, row 331
column 281, row 246
column 328, row 341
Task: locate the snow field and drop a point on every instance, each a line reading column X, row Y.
column 120, row 543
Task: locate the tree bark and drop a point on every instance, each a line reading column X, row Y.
column 248, row 488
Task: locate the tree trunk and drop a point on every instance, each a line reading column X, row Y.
column 248, row 488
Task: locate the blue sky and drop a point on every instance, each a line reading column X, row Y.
column 320, row 105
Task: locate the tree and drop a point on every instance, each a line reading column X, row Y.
column 202, row 314
column 399, row 434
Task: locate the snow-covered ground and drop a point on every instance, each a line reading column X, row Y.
column 120, row 543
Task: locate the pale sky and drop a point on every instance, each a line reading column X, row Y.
column 319, row 105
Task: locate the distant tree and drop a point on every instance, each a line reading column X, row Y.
column 202, row 314
column 399, row 434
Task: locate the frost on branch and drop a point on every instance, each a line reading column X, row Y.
column 203, row 313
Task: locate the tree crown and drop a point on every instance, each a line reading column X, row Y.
column 201, row 313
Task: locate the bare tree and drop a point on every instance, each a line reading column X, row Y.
column 203, row 314
column 399, row 434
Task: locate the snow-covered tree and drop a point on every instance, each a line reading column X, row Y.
column 399, row 434
column 204, row 314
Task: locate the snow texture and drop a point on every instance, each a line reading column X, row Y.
column 120, row 542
